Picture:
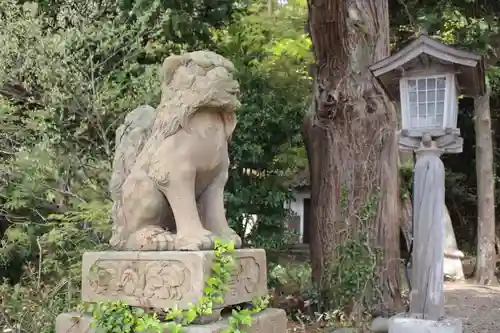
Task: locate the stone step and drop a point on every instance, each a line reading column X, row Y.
column 268, row 321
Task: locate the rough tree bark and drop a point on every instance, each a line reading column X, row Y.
column 485, row 263
column 406, row 206
column 350, row 138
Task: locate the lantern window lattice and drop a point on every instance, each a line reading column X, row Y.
column 426, row 102
column 429, row 102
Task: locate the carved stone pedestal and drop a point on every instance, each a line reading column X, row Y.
column 164, row 279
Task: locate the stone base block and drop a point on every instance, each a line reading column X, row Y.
column 412, row 323
column 268, row 321
column 162, row 280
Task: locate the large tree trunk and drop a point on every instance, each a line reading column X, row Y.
column 485, row 263
column 350, row 138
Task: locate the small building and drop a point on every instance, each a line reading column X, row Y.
column 300, row 204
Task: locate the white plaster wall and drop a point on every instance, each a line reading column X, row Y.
column 249, row 220
column 296, row 205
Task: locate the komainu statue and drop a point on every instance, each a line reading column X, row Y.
column 171, row 164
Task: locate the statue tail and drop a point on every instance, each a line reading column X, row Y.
column 131, row 137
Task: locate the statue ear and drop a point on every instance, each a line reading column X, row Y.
column 170, row 65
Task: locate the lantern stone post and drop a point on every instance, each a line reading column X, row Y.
column 427, row 294
column 426, row 78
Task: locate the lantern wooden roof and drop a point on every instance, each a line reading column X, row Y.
column 430, row 57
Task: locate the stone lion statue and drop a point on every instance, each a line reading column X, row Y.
column 171, row 164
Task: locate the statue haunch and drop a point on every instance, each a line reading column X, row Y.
column 171, row 164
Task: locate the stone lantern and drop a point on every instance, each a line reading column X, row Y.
column 426, row 79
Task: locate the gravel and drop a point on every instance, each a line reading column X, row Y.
column 477, row 306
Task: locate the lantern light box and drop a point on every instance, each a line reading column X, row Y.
column 426, row 77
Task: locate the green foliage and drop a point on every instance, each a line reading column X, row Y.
column 406, row 178
column 32, row 304
column 266, row 147
column 353, row 276
column 43, row 266
column 174, row 24
column 350, row 285
column 62, row 96
column 241, row 319
column 57, row 245
column 117, row 317
column 351, row 279
column 276, row 241
column 292, row 277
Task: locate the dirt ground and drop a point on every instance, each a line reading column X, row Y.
column 477, row 306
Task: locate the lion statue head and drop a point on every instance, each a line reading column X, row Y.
column 193, row 82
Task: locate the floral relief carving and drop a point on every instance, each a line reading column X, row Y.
column 167, row 280
column 246, row 276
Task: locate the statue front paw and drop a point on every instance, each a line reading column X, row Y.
column 231, row 235
column 150, row 238
column 195, row 241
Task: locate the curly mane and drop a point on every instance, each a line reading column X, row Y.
column 175, row 108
